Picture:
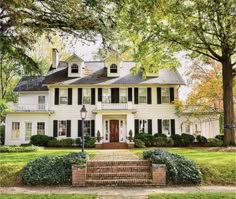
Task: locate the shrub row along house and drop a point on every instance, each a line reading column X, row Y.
column 117, row 103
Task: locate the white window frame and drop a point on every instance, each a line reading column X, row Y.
column 63, row 98
column 62, row 128
column 143, row 126
column 74, row 67
column 41, row 103
column 28, row 131
column 123, row 95
column 15, row 130
column 142, row 99
column 87, row 97
column 106, row 99
column 113, row 67
column 165, row 95
column 39, row 129
column 166, row 129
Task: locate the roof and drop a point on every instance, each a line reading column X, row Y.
column 198, row 109
column 30, row 83
column 96, row 74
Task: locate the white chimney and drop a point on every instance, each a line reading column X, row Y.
column 55, row 58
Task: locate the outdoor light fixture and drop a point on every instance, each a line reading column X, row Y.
column 83, row 113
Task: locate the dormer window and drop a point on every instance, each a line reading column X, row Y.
column 74, row 68
column 113, row 68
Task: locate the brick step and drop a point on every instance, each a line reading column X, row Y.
column 119, row 182
column 118, row 163
column 123, row 175
column 110, row 169
column 114, row 145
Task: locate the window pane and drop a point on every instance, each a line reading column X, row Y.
column 142, row 95
column 62, row 127
column 74, row 68
column 165, row 98
column 28, row 130
column 41, row 128
column 87, row 127
column 106, row 96
column 15, row 130
column 166, row 126
column 123, row 95
column 63, row 96
column 86, row 95
column 113, row 68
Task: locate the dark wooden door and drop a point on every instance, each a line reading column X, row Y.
column 114, row 130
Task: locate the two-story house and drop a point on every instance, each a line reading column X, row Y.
column 116, row 101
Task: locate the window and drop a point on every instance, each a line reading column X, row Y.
column 165, row 95
column 142, row 126
column 113, row 68
column 187, row 128
column 15, row 132
column 106, row 96
column 28, row 130
column 142, row 95
column 41, row 128
column 123, row 95
column 166, row 127
column 63, row 96
column 87, row 127
column 86, row 95
column 62, row 127
column 74, row 68
column 41, row 102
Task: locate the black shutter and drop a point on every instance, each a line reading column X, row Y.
column 93, row 128
column 172, row 127
column 68, row 128
column 54, row 128
column 93, row 96
column 69, row 96
column 149, row 95
column 80, row 95
column 135, row 95
column 159, row 124
column 130, row 94
column 158, row 95
column 150, row 126
column 172, row 95
column 100, row 94
column 136, row 127
column 56, row 96
column 80, row 128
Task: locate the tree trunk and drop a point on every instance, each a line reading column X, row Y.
column 229, row 133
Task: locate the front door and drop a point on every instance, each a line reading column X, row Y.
column 114, row 130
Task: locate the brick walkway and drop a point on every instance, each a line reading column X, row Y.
column 115, row 155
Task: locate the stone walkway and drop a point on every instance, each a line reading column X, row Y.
column 115, row 155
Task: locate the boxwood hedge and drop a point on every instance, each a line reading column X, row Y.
column 51, row 170
column 179, row 169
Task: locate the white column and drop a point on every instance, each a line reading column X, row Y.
column 98, row 125
column 130, row 124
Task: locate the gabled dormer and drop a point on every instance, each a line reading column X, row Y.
column 113, row 65
column 75, row 66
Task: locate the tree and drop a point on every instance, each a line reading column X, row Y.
column 157, row 29
column 23, row 22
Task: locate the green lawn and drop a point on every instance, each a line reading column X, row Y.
column 47, row 196
column 216, row 167
column 194, row 196
column 12, row 163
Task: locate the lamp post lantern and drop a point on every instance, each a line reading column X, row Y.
column 83, row 113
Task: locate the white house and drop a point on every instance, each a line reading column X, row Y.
column 116, row 101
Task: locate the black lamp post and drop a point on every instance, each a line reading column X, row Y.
column 83, row 113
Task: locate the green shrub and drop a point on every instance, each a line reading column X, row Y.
column 7, row 149
column 160, row 135
column 214, row 142
column 67, row 142
column 187, row 139
column 201, row 139
column 51, row 170
column 53, row 143
column 179, row 169
column 139, row 143
column 40, row 140
column 177, row 140
column 148, row 139
column 89, row 142
column 161, row 141
column 220, row 137
column 2, row 135
column 78, row 141
column 170, row 141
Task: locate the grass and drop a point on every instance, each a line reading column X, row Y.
column 47, row 196
column 12, row 163
column 216, row 167
column 194, row 196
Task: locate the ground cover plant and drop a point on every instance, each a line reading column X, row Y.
column 7, row 149
column 216, row 167
column 193, row 196
column 48, row 196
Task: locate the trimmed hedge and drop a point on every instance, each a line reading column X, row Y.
column 201, row 139
column 67, row 142
column 160, row 135
column 214, row 142
column 220, row 137
column 139, row 143
column 51, row 170
column 40, row 140
column 187, row 139
column 89, row 142
column 7, row 149
column 179, row 169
